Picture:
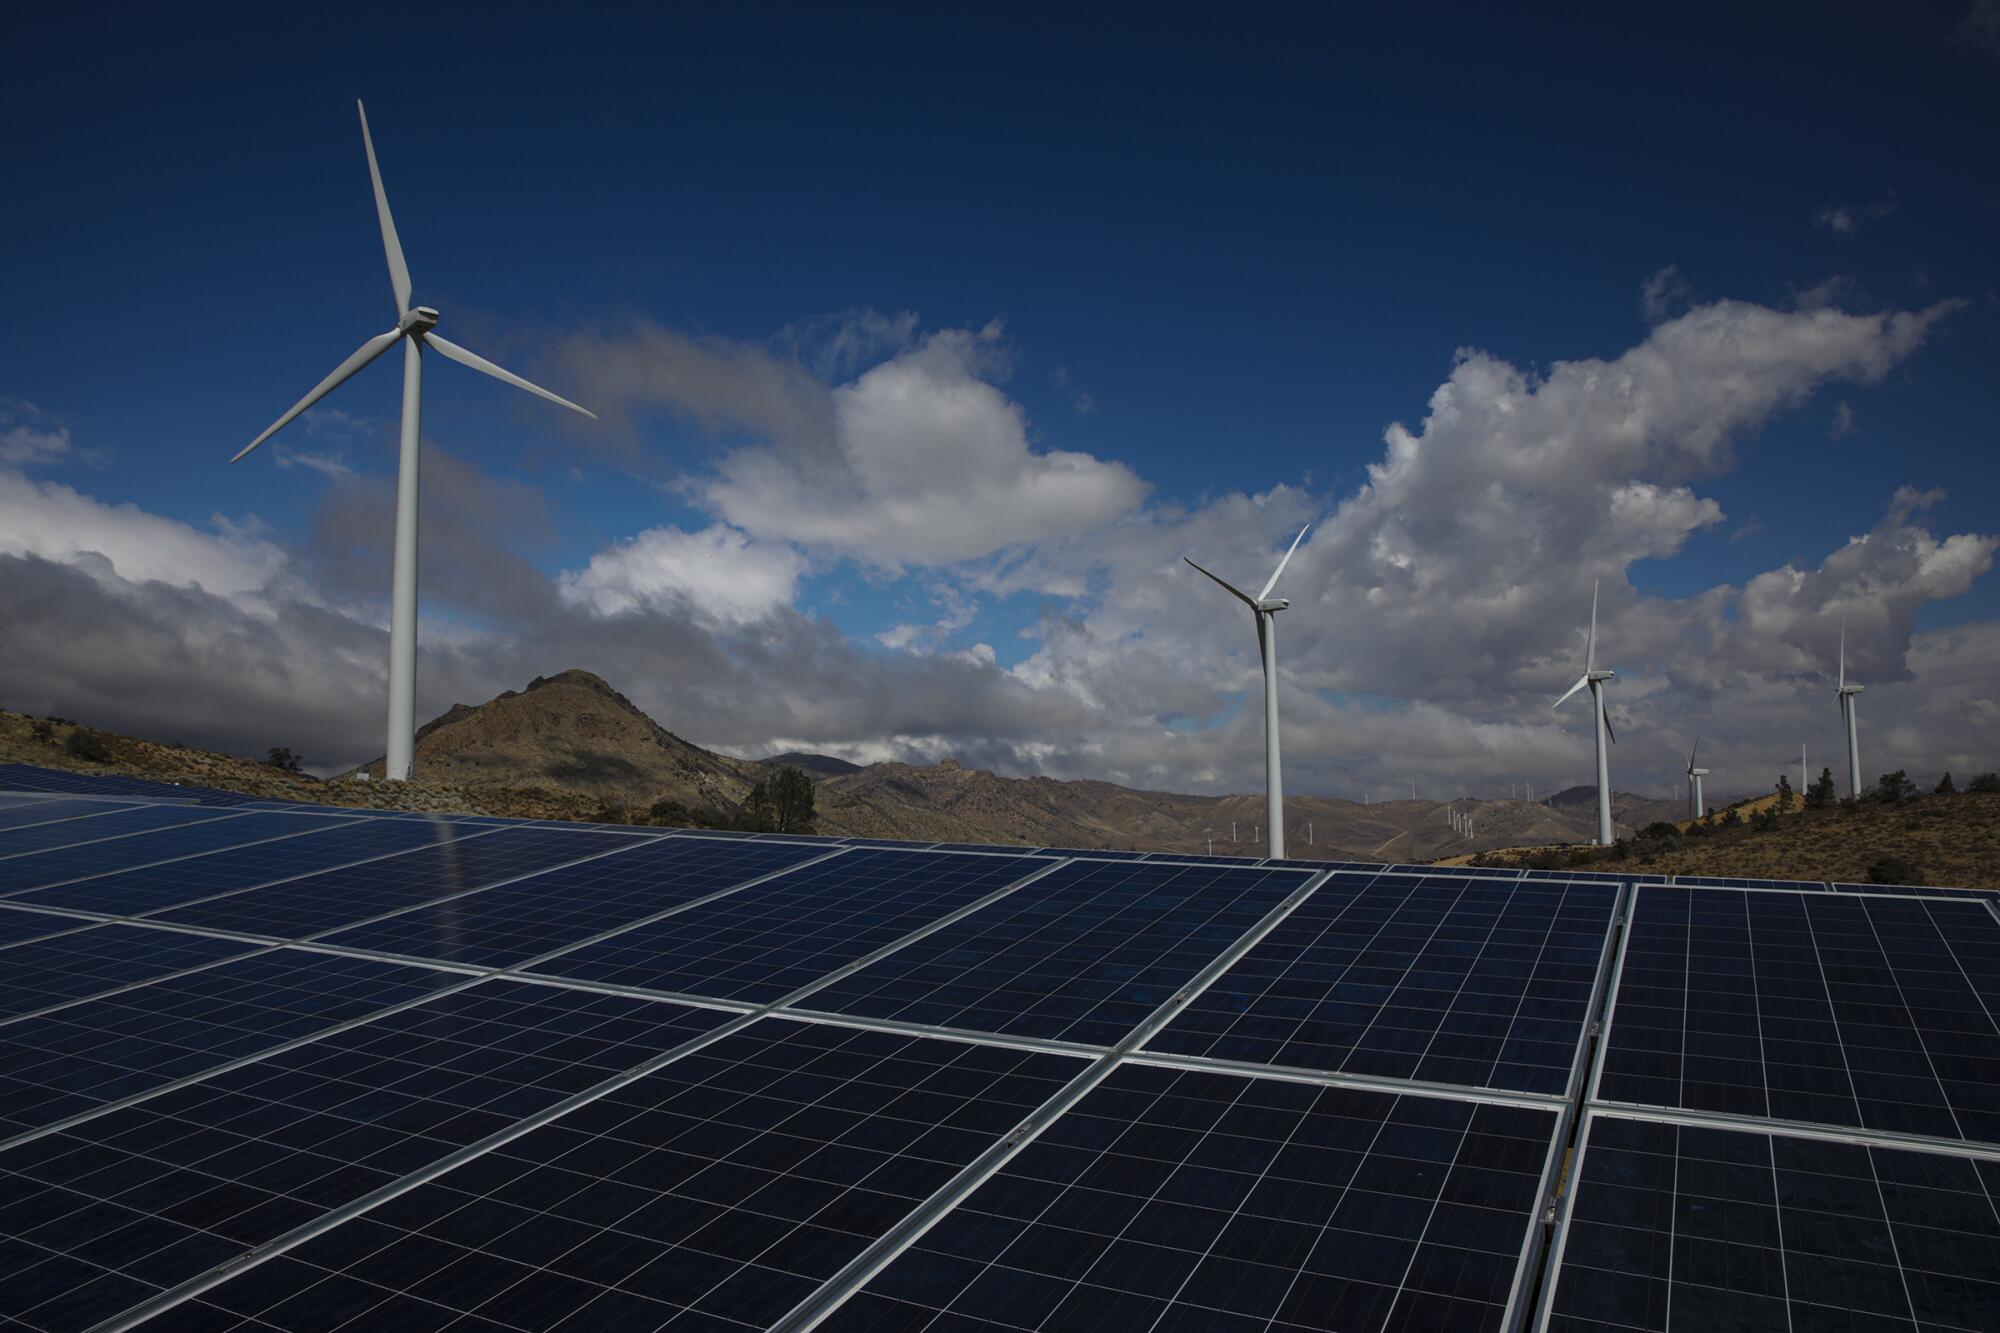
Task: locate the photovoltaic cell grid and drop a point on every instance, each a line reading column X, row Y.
column 1685, row 1227
column 109, row 821
column 101, row 1216
column 326, row 901
column 153, row 888
column 27, row 777
column 41, row 810
column 1834, row 1008
column 1197, row 1201
column 1083, row 954
column 765, row 943
column 84, row 1056
column 60, row 968
column 515, row 922
column 60, row 865
column 17, row 927
column 1441, row 979
column 714, row 1193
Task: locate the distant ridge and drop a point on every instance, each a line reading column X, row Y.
column 819, row 765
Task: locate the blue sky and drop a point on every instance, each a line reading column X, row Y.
column 1217, row 259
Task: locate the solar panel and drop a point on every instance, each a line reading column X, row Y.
column 1727, row 882
column 530, row 917
column 15, row 814
column 80, row 1058
column 298, row 908
column 109, row 1212
column 769, row 941
column 1098, row 853
column 59, row 865
column 1701, row 1227
column 110, row 821
column 27, row 777
column 18, row 926
column 156, row 887
column 1184, row 1200
column 1082, row 954
column 1444, row 979
column 1834, row 1008
column 986, row 847
column 907, row 844
column 714, row 1192
column 61, row 968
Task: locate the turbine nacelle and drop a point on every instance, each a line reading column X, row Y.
column 420, row 319
column 1270, row 604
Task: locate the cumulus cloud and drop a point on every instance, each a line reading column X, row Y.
column 29, row 437
column 1664, row 295
column 722, row 573
column 1846, row 219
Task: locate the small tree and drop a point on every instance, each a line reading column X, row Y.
column 1786, row 796
column 791, row 795
column 1893, row 870
column 283, row 759
column 671, row 813
column 1730, row 819
column 83, row 743
column 1895, row 787
column 1985, row 782
column 1820, row 795
column 44, row 732
column 755, row 814
column 1944, row 787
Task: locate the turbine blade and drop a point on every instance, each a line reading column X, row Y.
column 399, row 272
column 1843, row 652
column 1282, row 563
column 1581, row 681
column 367, row 352
column 1695, row 751
column 1237, row 593
column 481, row 364
column 1590, row 644
column 1607, row 727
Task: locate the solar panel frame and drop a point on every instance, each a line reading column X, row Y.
column 18, row 926
column 28, row 811
column 1838, row 1212
column 1298, row 958
column 1962, row 1109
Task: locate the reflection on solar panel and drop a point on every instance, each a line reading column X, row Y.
column 302, row 907
column 53, row 971
column 109, row 821
column 716, row 1192
column 116, row 1208
column 1082, row 954
column 60, row 865
column 78, row 1058
column 1184, row 1200
column 1874, row 1012
column 1442, row 979
column 1697, row 1227
column 771, row 940
column 153, row 888
column 523, row 920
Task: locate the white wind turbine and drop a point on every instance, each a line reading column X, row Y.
column 1695, row 808
column 1266, row 607
column 415, row 329
column 1595, row 680
column 1845, row 693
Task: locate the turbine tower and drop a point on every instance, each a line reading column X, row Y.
column 1845, row 693
column 1266, row 607
column 1696, row 809
column 1595, row 680
column 416, row 329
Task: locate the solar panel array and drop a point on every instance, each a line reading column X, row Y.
column 266, row 1066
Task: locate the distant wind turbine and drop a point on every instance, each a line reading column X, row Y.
column 1595, row 680
column 1695, row 808
column 416, row 329
column 1845, row 693
column 1266, row 607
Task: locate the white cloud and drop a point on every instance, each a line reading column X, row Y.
column 1664, row 294
column 326, row 464
column 940, row 469
column 727, row 577
column 1843, row 421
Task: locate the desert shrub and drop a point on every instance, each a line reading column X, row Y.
column 44, row 732
column 1985, row 782
column 283, row 759
column 83, row 743
column 1730, row 818
column 1786, row 796
column 1944, row 787
column 1895, row 787
column 1893, row 870
column 755, row 815
column 1820, row 795
column 611, row 812
column 671, row 813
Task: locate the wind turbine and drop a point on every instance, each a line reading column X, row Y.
column 1695, row 775
column 1595, row 680
column 1845, row 693
column 1266, row 607
column 416, row 329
